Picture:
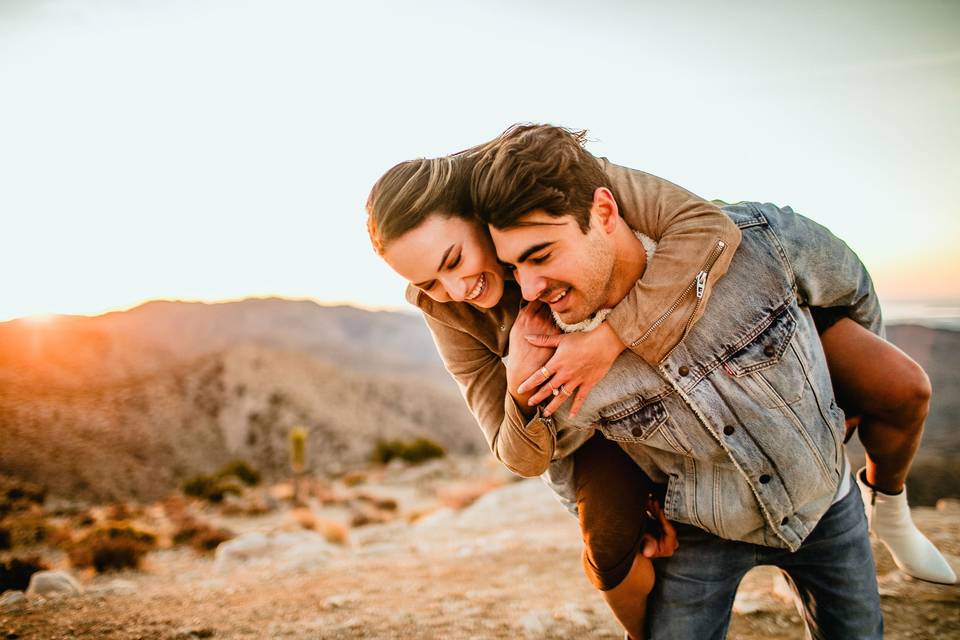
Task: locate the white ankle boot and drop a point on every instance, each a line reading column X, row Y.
column 889, row 518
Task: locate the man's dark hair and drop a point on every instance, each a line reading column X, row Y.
column 535, row 166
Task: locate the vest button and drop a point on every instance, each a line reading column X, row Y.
column 637, row 432
column 728, row 430
column 684, row 370
column 764, row 479
column 769, row 351
column 784, row 522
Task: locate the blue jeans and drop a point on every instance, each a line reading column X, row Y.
column 833, row 572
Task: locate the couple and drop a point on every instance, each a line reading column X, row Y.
column 723, row 413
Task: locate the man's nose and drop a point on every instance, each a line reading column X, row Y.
column 456, row 288
column 531, row 286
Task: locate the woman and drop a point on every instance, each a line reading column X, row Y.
column 418, row 223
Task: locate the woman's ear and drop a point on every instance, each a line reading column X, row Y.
column 604, row 209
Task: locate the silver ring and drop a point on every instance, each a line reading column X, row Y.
column 545, row 373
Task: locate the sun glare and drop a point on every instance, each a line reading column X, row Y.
column 41, row 319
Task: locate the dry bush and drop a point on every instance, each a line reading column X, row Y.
column 25, row 529
column 364, row 517
column 353, row 478
column 384, row 504
column 460, row 495
column 112, row 545
column 202, row 536
column 15, row 573
column 333, row 531
column 19, row 495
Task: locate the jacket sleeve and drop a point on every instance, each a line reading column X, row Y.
column 526, row 448
column 827, row 272
column 694, row 238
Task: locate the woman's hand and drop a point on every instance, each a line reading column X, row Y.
column 580, row 362
column 526, row 358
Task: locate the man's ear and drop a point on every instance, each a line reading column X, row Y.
column 604, row 210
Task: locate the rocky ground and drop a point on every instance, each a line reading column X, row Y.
column 505, row 566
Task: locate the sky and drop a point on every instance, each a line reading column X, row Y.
column 222, row 149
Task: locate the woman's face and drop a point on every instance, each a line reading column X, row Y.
column 450, row 259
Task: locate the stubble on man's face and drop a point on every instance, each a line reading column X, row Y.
column 571, row 273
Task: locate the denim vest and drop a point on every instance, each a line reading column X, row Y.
column 739, row 420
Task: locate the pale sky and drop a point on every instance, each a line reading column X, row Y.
column 219, row 149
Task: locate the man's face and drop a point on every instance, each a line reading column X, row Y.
column 555, row 262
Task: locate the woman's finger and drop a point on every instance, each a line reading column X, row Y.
column 536, row 379
column 541, row 340
column 582, row 394
column 543, row 393
column 563, row 394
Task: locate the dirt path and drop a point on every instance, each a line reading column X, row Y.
column 476, row 573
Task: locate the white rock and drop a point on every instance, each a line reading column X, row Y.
column 574, row 614
column 117, row 586
column 51, row 583
column 11, row 599
column 284, row 552
column 536, row 622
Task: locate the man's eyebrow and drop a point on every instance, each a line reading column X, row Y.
column 532, row 250
column 443, row 260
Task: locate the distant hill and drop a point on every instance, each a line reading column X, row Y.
column 133, row 403
column 130, row 404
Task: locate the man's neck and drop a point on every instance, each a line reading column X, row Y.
column 630, row 261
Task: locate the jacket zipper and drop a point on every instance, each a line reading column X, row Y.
column 700, row 283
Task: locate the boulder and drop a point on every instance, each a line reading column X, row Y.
column 284, row 551
column 53, row 583
column 11, row 599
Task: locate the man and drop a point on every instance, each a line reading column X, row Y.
column 738, row 420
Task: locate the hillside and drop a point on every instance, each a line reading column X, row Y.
column 130, row 404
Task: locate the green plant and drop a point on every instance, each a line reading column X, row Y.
column 298, row 449
column 211, row 488
column 415, row 451
column 240, row 470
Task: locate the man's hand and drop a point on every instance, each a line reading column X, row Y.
column 660, row 541
column 580, row 362
column 526, row 358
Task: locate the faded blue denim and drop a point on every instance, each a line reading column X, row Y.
column 832, row 572
column 740, row 419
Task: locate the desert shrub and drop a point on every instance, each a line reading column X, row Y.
column 24, row 529
column 18, row 495
column 211, row 488
column 112, row 545
column 415, row 451
column 241, row 471
column 201, row 535
column 15, row 572
column 384, row 504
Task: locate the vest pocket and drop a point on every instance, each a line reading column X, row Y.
column 769, row 367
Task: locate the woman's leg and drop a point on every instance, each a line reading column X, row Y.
column 891, row 393
column 611, row 500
